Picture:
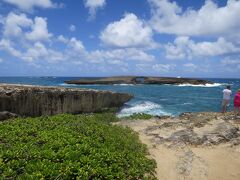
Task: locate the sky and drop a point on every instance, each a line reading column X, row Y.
column 187, row 38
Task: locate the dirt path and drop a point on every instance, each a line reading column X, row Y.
column 194, row 146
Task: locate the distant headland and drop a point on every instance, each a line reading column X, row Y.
column 139, row 80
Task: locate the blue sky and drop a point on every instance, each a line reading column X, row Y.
column 194, row 38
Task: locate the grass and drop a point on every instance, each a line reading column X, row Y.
column 72, row 147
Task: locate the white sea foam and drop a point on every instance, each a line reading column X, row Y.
column 187, row 103
column 201, row 85
column 123, row 84
column 143, row 107
column 69, row 85
column 79, row 85
column 63, row 84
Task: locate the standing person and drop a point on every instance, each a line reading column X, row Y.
column 237, row 102
column 226, row 98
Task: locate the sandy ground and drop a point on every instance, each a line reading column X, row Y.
column 185, row 162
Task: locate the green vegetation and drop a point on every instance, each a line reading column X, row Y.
column 139, row 116
column 72, row 147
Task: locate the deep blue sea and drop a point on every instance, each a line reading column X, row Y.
column 152, row 99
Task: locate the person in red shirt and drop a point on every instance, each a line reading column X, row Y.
column 237, row 102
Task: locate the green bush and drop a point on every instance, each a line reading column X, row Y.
column 139, row 116
column 72, row 147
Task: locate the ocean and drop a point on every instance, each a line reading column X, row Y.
column 152, row 99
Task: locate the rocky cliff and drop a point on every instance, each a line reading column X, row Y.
column 139, row 80
column 29, row 100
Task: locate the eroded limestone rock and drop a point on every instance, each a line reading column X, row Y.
column 36, row 100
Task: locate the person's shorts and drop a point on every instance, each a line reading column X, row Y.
column 236, row 104
column 225, row 102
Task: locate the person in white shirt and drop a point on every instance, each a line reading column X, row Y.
column 226, row 98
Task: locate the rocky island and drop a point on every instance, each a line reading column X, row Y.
column 139, row 80
column 27, row 100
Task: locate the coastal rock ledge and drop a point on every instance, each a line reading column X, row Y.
column 193, row 146
column 27, row 100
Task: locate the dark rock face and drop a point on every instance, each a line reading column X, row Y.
column 139, row 80
column 36, row 101
column 7, row 115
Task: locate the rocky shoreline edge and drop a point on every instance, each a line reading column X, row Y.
column 28, row 100
column 202, row 145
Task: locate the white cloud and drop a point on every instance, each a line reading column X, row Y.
column 229, row 61
column 126, row 55
column 7, row 46
column 29, row 5
column 190, row 67
column 73, row 43
column 14, row 23
column 22, row 36
column 36, row 52
column 184, row 47
column 62, row 39
column 164, row 67
column 39, row 30
column 128, row 32
column 76, row 45
column 168, row 17
column 1, row 60
column 31, row 54
column 31, row 42
column 232, row 64
column 1, row 19
column 115, row 62
column 72, row 28
column 93, row 6
column 19, row 25
column 39, row 51
column 74, row 51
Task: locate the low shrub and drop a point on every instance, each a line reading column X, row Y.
column 72, row 147
column 139, row 116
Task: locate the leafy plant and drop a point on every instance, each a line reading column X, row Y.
column 139, row 116
column 72, row 147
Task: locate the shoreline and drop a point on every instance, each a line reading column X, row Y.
column 192, row 146
column 29, row 100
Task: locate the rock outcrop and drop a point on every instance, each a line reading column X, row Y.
column 139, row 80
column 192, row 146
column 195, row 129
column 7, row 115
column 26, row 100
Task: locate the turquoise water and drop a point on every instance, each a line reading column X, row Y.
column 153, row 99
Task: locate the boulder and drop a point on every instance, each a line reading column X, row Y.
column 7, row 115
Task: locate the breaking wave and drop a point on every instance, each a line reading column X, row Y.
column 143, row 107
column 187, row 103
column 69, row 85
column 201, row 85
column 124, row 84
